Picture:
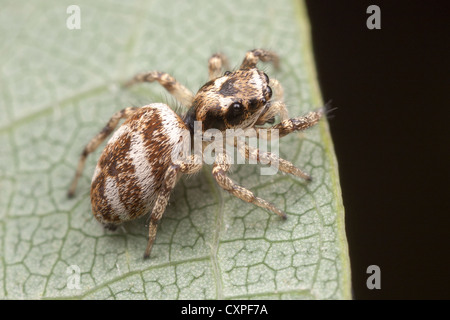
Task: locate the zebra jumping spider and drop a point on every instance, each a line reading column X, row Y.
column 136, row 171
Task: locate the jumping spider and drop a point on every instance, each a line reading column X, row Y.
column 136, row 174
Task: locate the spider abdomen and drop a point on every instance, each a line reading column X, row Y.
column 131, row 169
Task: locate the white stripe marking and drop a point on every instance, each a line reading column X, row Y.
column 112, row 195
column 143, row 168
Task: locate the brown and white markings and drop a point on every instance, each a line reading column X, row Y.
column 144, row 158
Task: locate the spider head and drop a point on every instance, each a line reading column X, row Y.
column 234, row 100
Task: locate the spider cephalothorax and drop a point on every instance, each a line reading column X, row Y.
column 137, row 171
column 234, row 100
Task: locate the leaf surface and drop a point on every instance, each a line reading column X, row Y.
column 58, row 89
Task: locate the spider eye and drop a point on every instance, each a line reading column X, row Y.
column 235, row 114
column 269, row 92
column 226, row 73
column 267, row 77
column 237, row 108
column 253, row 104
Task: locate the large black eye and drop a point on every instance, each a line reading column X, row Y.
column 267, row 77
column 235, row 114
column 269, row 92
column 237, row 108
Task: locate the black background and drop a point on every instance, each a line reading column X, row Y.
column 390, row 131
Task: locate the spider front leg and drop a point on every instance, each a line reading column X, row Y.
column 220, row 169
column 294, row 124
column 272, row 159
column 276, row 108
column 279, row 91
column 277, row 105
column 216, row 64
column 252, row 57
column 96, row 141
column 191, row 166
column 180, row 92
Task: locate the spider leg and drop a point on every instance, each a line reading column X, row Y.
column 220, row 169
column 288, row 126
column 252, row 57
column 170, row 179
column 270, row 158
column 277, row 105
column 96, row 141
column 216, row 64
column 180, row 92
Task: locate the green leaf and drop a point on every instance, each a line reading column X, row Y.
column 58, row 89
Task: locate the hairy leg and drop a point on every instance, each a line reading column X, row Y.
column 96, row 141
column 276, row 108
column 294, row 124
column 216, row 65
column 252, row 57
column 270, row 158
column 277, row 105
column 220, row 169
column 170, row 179
column 180, row 92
